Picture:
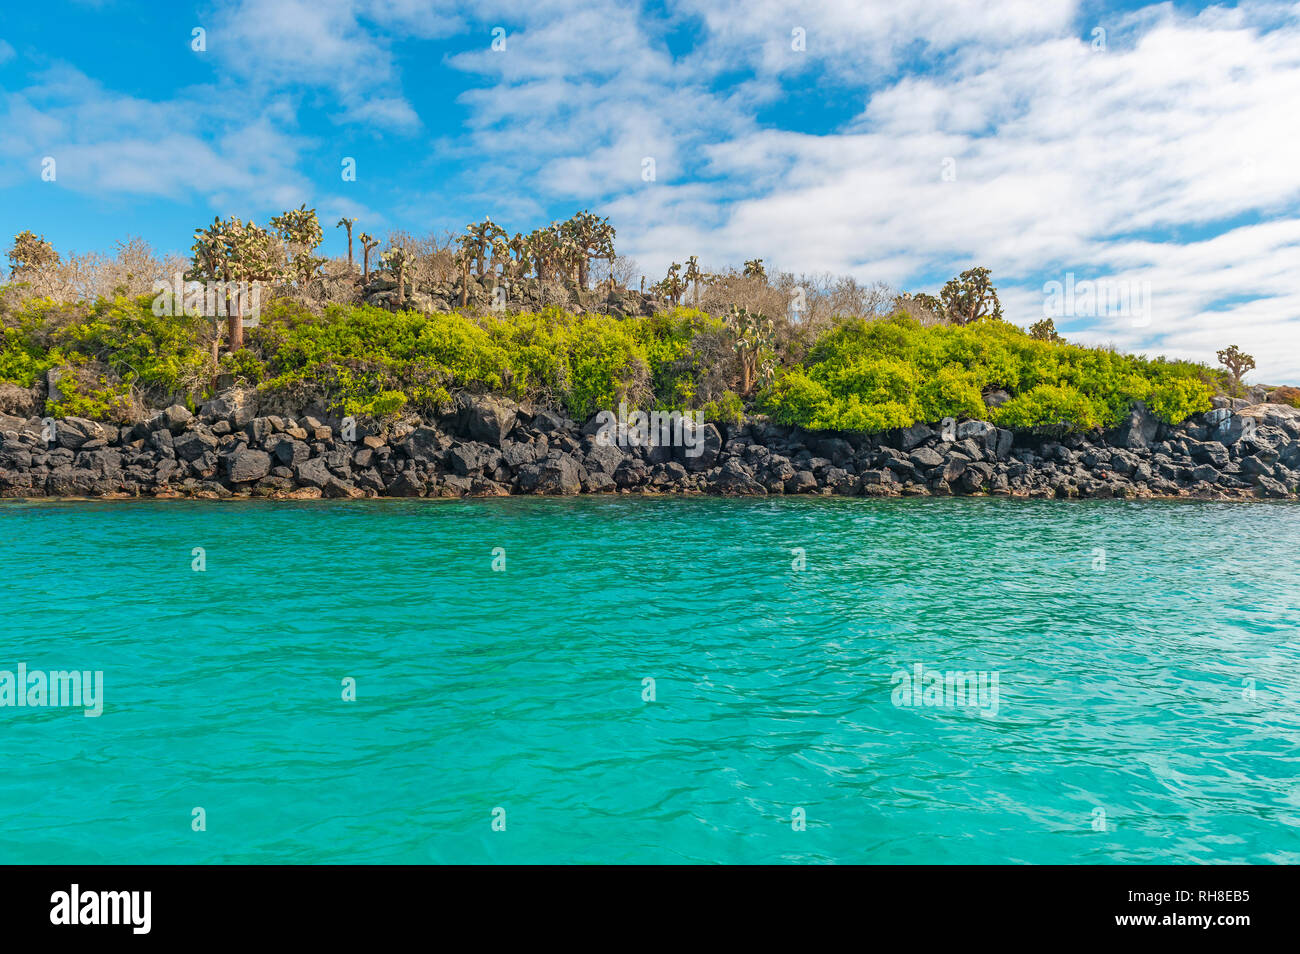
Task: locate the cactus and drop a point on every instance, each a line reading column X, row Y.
column 754, row 344
column 588, row 236
column 301, row 232
column 347, row 224
column 518, row 265
column 395, row 260
column 693, row 276
column 482, row 235
column 970, row 297
column 1044, row 330
column 231, row 250
column 754, row 269
column 672, row 286
column 368, row 244
column 1238, row 363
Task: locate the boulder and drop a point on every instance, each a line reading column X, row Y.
column 1281, row 416
column 914, row 436
column 835, row 449
column 604, row 458
column 516, row 454
column 631, row 473
column 982, row 433
column 975, row 476
column 700, row 449
column 1138, row 430
column 1210, row 452
column 406, row 484
column 336, row 487
column 486, row 418
column 312, row 473
column 288, row 451
column 803, row 482
column 245, row 466
column 72, row 432
column 1268, row 487
column 926, row 458
column 175, row 418
column 233, row 405
column 193, row 444
column 735, row 478
column 555, row 475
column 424, row 444
column 549, row 422
column 19, row 401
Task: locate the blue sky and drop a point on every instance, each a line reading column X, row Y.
column 895, row 142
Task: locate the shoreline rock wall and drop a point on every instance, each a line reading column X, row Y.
column 490, row 446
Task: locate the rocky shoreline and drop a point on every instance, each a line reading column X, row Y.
column 491, row 447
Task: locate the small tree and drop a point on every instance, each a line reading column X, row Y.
column 301, row 232
column 543, row 247
column 1238, row 363
column 693, row 276
column 368, row 245
column 233, row 251
column 519, row 263
column 347, row 224
column 970, row 297
column 672, row 285
column 1044, row 330
column 30, row 254
column 256, row 259
column 465, row 257
column 588, row 236
column 754, row 269
column 755, row 339
column 482, row 235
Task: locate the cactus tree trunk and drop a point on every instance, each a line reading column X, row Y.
column 235, row 325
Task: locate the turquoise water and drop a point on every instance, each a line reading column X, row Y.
column 1160, row 688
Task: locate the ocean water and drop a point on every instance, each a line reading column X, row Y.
column 1146, row 656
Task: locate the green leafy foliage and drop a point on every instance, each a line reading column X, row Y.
column 1049, row 409
column 868, row 375
column 872, row 375
column 727, row 409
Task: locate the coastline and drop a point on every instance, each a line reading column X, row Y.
column 488, row 446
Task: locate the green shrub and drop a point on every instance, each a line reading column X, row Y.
column 22, row 360
column 728, row 409
column 85, row 392
column 875, row 375
column 1047, row 409
column 950, row 392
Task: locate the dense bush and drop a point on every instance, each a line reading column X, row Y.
column 116, row 356
column 878, row 374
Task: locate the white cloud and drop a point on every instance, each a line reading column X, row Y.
column 106, row 142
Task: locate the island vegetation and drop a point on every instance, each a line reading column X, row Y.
column 552, row 316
